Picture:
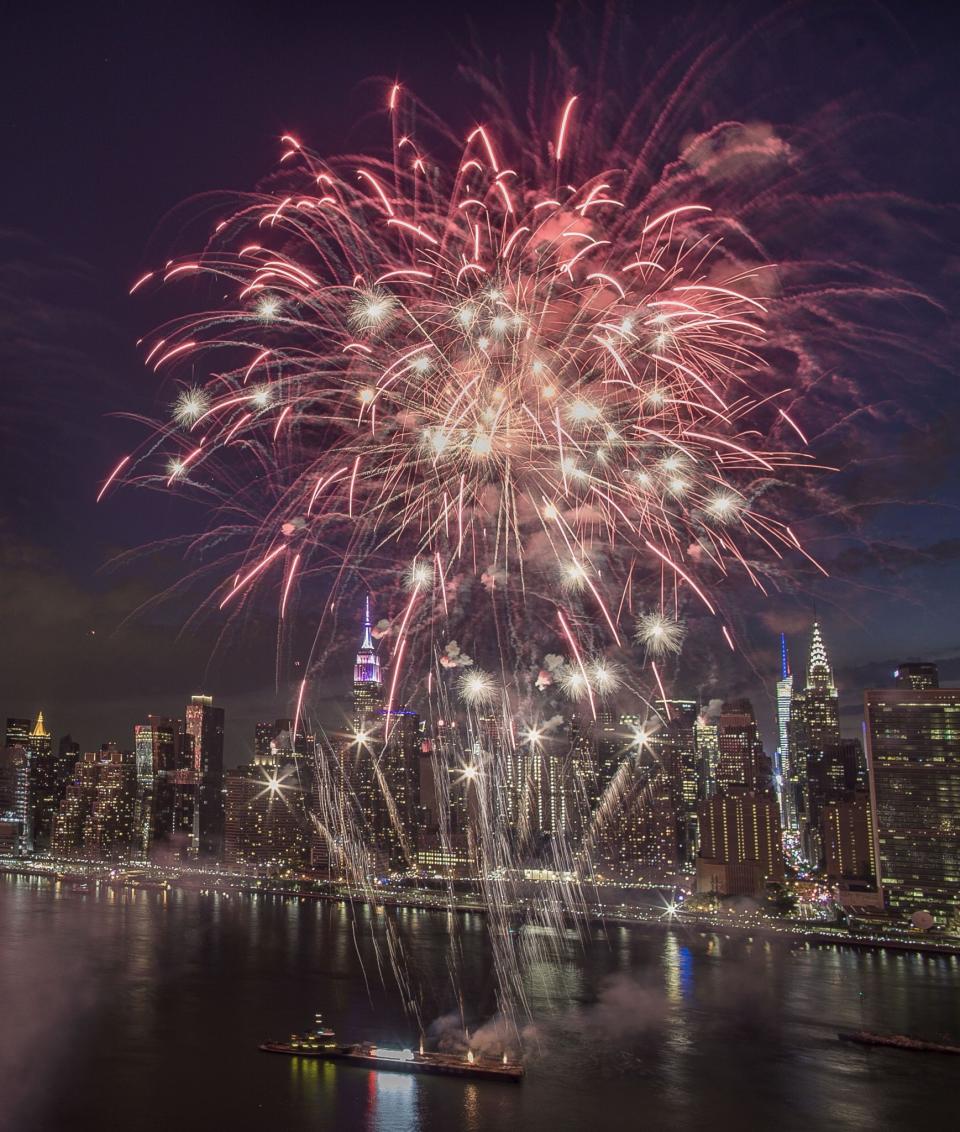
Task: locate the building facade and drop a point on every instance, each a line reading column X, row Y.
column 913, row 760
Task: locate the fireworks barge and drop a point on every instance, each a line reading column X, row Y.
column 896, row 1041
column 319, row 1043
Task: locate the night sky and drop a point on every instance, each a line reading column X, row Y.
column 113, row 115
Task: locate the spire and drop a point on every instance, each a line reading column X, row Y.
column 819, row 666
column 784, row 658
column 367, row 668
column 367, row 627
column 39, row 731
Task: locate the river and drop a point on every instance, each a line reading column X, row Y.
column 142, row 1010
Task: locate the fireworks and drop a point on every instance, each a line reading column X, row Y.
column 660, row 635
column 520, row 396
column 480, row 359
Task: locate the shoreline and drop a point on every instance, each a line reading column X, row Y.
column 77, row 872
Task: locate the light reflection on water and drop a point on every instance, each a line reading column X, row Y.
column 143, row 1010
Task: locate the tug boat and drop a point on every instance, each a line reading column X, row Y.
column 319, row 1043
column 896, row 1041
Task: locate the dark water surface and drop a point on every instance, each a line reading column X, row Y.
column 143, row 1011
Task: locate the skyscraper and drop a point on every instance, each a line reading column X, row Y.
column 675, row 746
column 48, row 777
column 96, row 818
column 204, row 725
column 741, row 760
column 266, row 821
column 917, row 674
column 14, row 795
column 367, row 678
column 814, row 726
column 741, row 848
column 913, row 761
column 785, row 775
column 740, row 843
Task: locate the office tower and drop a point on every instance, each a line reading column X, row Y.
column 18, row 731
column 814, row 720
column 848, row 848
column 75, row 807
column 785, row 773
column 740, row 843
column 14, row 800
column 913, row 761
column 266, row 825
column 675, row 746
column 163, row 742
column 395, row 800
column 832, row 773
column 204, row 724
column 706, row 738
column 96, row 818
column 263, row 737
column 917, row 674
column 740, row 757
column 48, row 777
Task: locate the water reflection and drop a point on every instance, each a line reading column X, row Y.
column 143, row 989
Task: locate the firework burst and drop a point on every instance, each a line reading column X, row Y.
column 480, row 361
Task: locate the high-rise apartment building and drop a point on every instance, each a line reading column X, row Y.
column 267, row 824
column 97, row 816
column 913, row 761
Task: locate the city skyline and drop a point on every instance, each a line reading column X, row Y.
column 479, row 565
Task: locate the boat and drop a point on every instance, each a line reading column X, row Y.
column 318, row 1043
column 896, row 1041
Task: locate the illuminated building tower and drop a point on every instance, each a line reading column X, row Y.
column 740, row 757
column 18, row 731
column 14, row 799
column 48, row 779
column 367, row 678
column 266, row 827
column 848, row 847
column 913, row 762
column 917, row 674
column 740, row 843
column 637, row 839
column 706, row 737
column 263, row 737
column 168, row 810
column 395, row 802
column 675, row 746
column 75, row 807
column 834, row 775
column 110, row 831
column 814, row 723
column 785, row 777
column 204, row 724
column 363, row 748
column 96, row 818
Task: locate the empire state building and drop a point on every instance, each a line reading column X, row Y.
column 367, row 678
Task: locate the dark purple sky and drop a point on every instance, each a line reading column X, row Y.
column 113, row 114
